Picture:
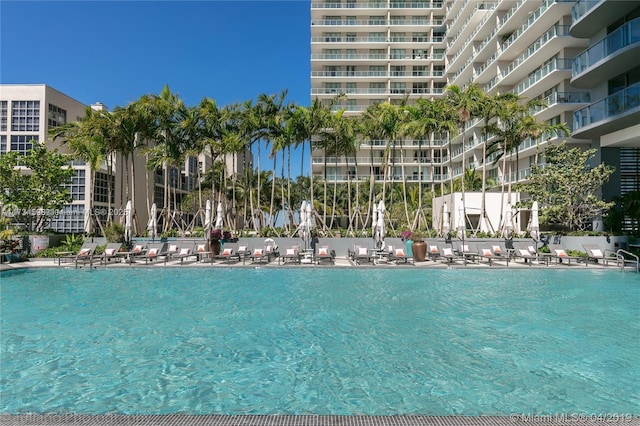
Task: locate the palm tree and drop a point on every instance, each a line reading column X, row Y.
column 382, row 121
column 307, row 123
column 516, row 123
column 161, row 115
column 467, row 103
column 86, row 142
column 489, row 107
column 424, row 118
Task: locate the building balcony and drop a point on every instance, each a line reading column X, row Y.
column 561, row 102
column 613, row 55
column 591, row 16
column 558, row 68
column 361, row 74
column 367, row 57
column 377, row 5
column 615, row 112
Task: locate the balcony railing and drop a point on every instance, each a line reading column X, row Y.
column 556, row 30
column 381, row 91
column 581, row 8
column 619, row 103
column 349, row 74
column 555, row 65
column 351, row 56
column 378, row 5
column 622, row 37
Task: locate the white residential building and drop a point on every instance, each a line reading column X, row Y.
column 580, row 57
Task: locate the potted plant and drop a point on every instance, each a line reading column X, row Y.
column 419, row 246
column 405, row 236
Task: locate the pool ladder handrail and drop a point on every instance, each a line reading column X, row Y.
column 623, row 260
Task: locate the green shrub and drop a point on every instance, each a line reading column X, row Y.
column 114, row 232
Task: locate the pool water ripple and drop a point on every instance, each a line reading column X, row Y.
column 319, row 341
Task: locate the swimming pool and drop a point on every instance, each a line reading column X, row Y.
column 319, row 340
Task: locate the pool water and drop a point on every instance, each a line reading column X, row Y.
column 319, row 341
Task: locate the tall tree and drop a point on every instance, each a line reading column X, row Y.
column 34, row 184
column 566, row 187
column 86, row 142
column 467, row 103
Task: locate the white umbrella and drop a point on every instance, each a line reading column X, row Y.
column 128, row 219
column 381, row 231
column 309, row 218
column 446, row 222
column 374, row 221
column 219, row 221
column 302, row 227
column 508, row 223
column 152, row 226
column 461, row 226
column 207, row 217
column 534, row 227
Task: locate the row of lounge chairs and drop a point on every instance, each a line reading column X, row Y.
column 198, row 252
column 450, row 253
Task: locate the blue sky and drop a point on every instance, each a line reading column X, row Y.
column 116, row 51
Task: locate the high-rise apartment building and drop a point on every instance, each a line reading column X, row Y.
column 610, row 69
column 582, row 58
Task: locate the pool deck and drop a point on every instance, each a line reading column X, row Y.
column 309, row 420
column 340, row 262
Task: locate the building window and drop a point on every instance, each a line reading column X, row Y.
column 398, row 37
column 101, row 188
column 377, row 20
column 333, row 37
column 420, row 87
column 332, row 88
column 397, row 70
column 56, row 117
column 331, row 71
column 25, row 116
column 419, row 37
column 77, row 185
column 22, row 143
column 333, row 53
column 398, row 87
column 398, row 54
column 377, row 70
column 3, row 116
column 71, row 219
column 377, row 37
column 3, row 144
column 377, row 54
column 377, row 88
column 420, row 71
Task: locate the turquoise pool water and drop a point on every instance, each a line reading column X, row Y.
column 319, row 340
